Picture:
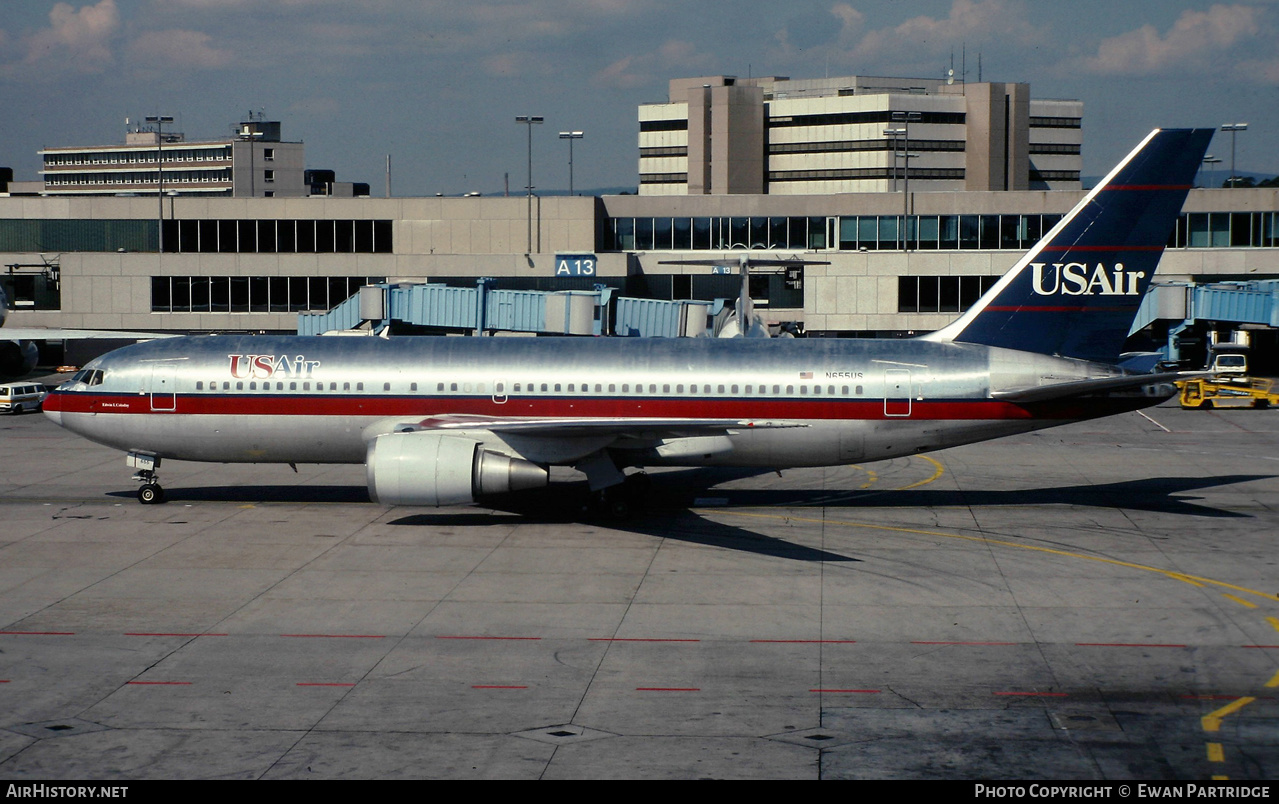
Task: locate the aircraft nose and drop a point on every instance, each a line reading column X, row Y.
column 51, row 410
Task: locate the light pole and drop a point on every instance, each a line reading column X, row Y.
column 251, row 137
column 530, row 121
column 159, row 120
column 1233, row 128
column 570, row 136
column 894, row 133
column 1211, row 161
column 905, row 118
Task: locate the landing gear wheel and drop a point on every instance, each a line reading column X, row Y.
column 151, row 494
column 618, row 506
column 610, row 503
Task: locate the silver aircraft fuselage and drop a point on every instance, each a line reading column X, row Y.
column 280, row 399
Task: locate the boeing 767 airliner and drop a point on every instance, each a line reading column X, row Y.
column 443, row 421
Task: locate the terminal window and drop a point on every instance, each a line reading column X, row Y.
column 253, row 294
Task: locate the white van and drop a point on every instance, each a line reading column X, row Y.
column 16, row 397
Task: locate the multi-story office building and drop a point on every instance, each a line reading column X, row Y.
column 253, row 163
column 856, row 134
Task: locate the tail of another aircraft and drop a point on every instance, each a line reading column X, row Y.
column 1075, row 293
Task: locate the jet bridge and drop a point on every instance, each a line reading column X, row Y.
column 445, row 308
column 1187, row 304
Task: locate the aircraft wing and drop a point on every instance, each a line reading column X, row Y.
column 595, row 426
column 1067, row 390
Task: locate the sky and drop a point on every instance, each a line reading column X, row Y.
column 437, row 84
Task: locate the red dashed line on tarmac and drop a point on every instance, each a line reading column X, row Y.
column 517, row 639
column 145, row 634
column 1124, row 645
column 869, row 692
column 335, row 636
column 668, row 689
column 962, row 643
column 804, row 641
column 633, row 639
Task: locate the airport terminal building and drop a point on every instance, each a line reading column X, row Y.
column 253, row 264
column 887, row 262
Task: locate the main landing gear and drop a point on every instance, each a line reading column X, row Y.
column 621, row 501
column 151, row 492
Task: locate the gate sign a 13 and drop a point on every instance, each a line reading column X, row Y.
column 575, row 265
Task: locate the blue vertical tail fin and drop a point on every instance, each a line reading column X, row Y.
column 1075, row 293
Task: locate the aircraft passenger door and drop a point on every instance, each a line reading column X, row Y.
column 500, row 392
column 897, row 392
column 164, row 388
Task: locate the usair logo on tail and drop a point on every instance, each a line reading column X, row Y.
column 1074, row 279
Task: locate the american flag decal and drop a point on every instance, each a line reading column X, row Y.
column 806, row 375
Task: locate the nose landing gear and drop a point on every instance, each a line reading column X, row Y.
column 151, row 492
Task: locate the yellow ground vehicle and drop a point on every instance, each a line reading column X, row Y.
column 1207, row 394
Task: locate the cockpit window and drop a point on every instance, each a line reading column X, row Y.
column 86, row 376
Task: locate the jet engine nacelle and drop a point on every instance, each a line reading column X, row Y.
column 435, row 469
column 17, row 358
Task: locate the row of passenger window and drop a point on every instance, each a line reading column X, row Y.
column 533, row 388
column 279, row 386
column 748, row 390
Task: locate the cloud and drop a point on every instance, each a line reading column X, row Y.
column 850, row 19
column 619, row 75
column 79, row 40
column 1197, row 38
column 673, row 57
column 973, row 22
column 176, row 50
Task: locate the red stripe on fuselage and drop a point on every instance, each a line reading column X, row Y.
column 565, row 407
